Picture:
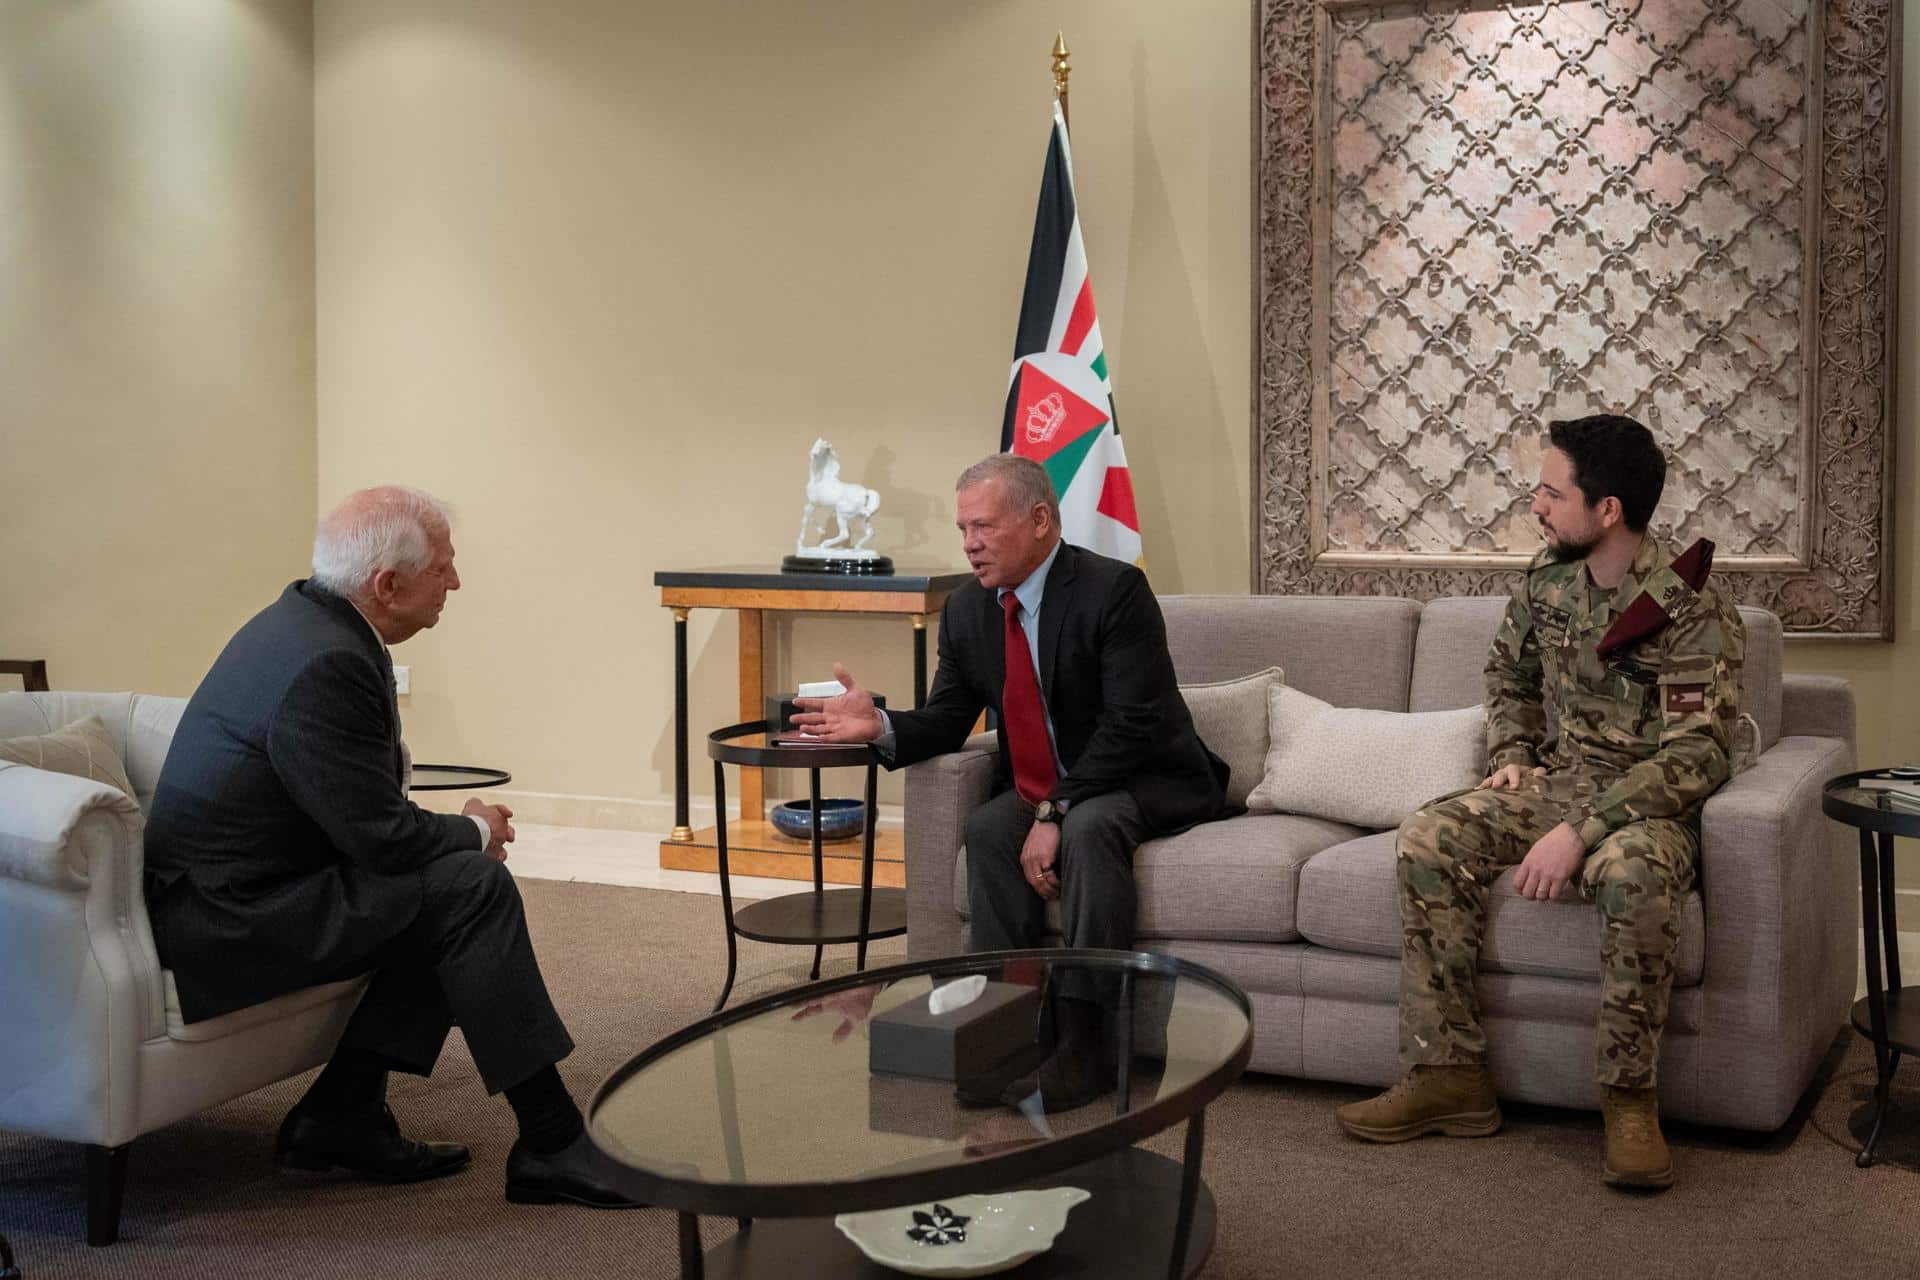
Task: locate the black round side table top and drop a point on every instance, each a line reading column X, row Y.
column 456, row 777
column 748, row 743
column 1853, row 798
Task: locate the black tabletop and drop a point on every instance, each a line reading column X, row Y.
column 1875, row 800
column 770, row 578
column 746, row 743
column 456, row 777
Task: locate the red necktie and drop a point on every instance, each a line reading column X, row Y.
column 1027, row 742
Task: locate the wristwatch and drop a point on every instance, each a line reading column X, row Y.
column 1050, row 811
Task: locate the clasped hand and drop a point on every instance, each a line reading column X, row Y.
column 499, row 825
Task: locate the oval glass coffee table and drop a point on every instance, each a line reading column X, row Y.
column 802, row 919
column 772, row 1113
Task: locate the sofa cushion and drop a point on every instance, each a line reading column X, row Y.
column 1231, row 718
column 1450, row 658
column 84, row 749
column 1232, row 880
column 1312, row 638
column 1368, row 768
column 1348, row 901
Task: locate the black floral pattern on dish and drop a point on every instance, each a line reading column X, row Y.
column 942, row 1226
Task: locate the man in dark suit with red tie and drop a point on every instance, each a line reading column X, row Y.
column 1097, row 749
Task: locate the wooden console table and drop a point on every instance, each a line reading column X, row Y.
column 754, row 847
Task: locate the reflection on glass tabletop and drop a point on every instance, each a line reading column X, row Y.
column 788, row 1093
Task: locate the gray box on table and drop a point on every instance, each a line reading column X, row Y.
column 911, row 1040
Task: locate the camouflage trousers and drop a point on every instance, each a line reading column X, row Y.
column 1450, row 854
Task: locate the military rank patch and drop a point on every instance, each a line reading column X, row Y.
column 1553, row 621
column 1684, row 699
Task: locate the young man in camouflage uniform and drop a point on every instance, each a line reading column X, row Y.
column 1639, row 658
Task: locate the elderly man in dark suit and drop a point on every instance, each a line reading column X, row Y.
column 1097, row 749
column 282, row 852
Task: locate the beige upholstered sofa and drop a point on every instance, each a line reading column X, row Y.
column 92, row 1046
column 1301, row 912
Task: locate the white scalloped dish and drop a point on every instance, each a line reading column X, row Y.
column 963, row 1235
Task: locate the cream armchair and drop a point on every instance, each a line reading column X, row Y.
column 95, row 1050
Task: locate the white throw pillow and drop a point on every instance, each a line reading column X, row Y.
column 1366, row 768
column 1231, row 717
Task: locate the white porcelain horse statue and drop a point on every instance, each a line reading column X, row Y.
column 849, row 501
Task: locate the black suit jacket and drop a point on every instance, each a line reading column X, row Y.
column 1118, row 718
column 280, row 840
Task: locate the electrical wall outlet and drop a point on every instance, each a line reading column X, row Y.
column 402, row 679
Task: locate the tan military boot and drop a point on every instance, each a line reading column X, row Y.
column 1455, row 1100
column 1636, row 1154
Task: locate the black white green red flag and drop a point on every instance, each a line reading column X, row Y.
column 1059, row 393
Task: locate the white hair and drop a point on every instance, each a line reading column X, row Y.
column 385, row 528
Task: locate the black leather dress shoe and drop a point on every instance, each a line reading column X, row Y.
column 570, row 1174
column 368, row 1143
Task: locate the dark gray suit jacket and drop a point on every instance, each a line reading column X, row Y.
column 281, row 837
column 1118, row 717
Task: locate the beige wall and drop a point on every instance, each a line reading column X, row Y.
column 156, row 329
column 599, row 275
column 599, row 272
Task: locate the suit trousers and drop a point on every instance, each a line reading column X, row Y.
column 1095, row 867
column 465, row 958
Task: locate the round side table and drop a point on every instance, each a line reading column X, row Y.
column 823, row 915
column 456, row 777
column 1889, row 1016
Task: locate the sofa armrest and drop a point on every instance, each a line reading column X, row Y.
column 1818, row 707
column 83, row 981
column 941, row 792
column 39, row 814
column 1780, row 887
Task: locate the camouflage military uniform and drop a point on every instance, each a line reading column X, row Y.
column 1642, row 741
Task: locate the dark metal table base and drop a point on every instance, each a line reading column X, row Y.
column 1126, row 1230
column 1889, row 1015
column 858, row 915
column 831, row 915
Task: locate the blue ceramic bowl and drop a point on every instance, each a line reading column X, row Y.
column 839, row 819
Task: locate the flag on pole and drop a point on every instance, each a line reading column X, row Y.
column 1059, row 395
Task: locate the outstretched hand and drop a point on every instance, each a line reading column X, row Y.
column 848, row 717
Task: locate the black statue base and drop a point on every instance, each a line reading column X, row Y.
column 847, row 566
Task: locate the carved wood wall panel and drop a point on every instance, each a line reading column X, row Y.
column 1474, row 218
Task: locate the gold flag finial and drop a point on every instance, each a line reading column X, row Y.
column 1061, row 70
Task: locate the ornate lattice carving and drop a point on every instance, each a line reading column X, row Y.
column 1474, row 218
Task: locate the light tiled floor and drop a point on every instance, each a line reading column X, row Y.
column 598, row 856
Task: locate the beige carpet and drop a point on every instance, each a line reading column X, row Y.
column 1296, row 1199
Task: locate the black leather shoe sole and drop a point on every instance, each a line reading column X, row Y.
column 376, row 1150
column 437, row 1165
column 550, row 1193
